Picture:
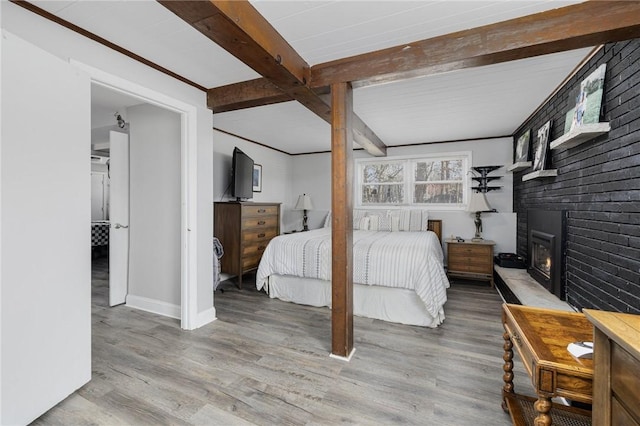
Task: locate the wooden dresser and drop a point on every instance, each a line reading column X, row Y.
column 244, row 230
column 616, row 383
column 470, row 259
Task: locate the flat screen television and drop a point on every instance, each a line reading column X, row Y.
column 241, row 175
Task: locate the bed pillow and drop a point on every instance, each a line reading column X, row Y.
column 361, row 224
column 327, row 221
column 411, row 220
column 418, row 220
column 382, row 221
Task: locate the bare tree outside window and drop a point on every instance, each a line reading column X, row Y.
column 422, row 181
column 383, row 183
column 438, row 182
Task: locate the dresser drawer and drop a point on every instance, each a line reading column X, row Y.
column 252, row 211
column 625, row 370
column 259, row 234
column 254, row 249
column 259, row 222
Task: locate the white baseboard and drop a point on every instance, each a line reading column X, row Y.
column 154, row 306
column 206, row 317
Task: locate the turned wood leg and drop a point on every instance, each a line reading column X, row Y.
column 507, row 368
column 543, row 406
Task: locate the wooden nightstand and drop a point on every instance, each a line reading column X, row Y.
column 470, row 259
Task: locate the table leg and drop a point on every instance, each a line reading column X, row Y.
column 543, row 406
column 507, row 368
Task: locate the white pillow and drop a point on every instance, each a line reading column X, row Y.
column 327, row 221
column 361, row 224
column 381, row 221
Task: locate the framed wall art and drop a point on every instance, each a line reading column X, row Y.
column 522, row 148
column 542, row 147
column 257, row 177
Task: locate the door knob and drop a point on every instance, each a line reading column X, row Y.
column 118, row 226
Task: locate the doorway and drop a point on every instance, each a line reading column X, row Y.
column 186, row 308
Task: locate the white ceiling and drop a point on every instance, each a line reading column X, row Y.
column 472, row 103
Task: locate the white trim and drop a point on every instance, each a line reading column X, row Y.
column 154, row 306
column 206, row 317
column 2, row 37
column 343, row 358
column 188, row 175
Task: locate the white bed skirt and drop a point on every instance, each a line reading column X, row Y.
column 385, row 303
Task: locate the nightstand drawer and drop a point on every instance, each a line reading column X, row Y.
column 470, row 249
column 481, row 268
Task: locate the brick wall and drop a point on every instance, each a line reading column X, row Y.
column 598, row 184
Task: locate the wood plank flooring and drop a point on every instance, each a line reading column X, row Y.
column 266, row 362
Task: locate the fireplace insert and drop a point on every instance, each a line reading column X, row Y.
column 546, row 249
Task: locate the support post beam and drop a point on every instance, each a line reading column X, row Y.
column 341, row 221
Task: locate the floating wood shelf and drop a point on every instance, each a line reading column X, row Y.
column 540, row 174
column 580, row 135
column 516, row 167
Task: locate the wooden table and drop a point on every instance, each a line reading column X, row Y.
column 541, row 337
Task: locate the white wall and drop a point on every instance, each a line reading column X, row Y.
column 69, row 45
column 45, row 279
column 154, row 217
column 277, row 174
column 312, row 174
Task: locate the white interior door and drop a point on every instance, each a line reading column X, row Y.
column 118, row 217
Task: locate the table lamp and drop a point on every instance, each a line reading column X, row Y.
column 304, row 203
column 477, row 205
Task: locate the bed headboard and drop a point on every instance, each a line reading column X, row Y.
column 435, row 226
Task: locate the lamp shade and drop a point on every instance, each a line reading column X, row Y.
column 304, row 203
column 479, row 203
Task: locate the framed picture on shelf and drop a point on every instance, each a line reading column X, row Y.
column 542, row 147
column 257, row 177
column 522, row 148
column 589, row 99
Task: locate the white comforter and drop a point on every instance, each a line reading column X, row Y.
column 410, row 260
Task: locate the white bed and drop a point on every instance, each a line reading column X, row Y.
column 398, row 276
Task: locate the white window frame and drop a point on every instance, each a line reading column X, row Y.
column 409, row 180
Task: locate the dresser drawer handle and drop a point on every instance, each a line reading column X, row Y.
column 261, row 235
column 516, row 338
column 262, row 222
column 262, row 211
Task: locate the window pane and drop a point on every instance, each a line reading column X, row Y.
column 440, row 193
column 382, row 173
column 439, row 170
column 382, row 194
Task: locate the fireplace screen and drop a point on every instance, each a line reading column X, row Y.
column 542, row 259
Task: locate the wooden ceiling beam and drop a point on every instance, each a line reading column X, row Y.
column 562, row 29
column 237, row 27
column 247, row 94
column 572, row 27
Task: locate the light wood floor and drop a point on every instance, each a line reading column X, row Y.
column 266, row 362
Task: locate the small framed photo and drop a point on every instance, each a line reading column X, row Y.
column 257, row 177
column 540, row 157
column 522, row 147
